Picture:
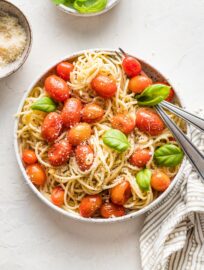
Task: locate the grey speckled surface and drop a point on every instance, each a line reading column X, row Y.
column 168, row 34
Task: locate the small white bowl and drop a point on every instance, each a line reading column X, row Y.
column 110, row 4
column 11, row 9
column 153, row 73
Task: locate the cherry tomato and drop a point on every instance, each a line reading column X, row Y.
column 148, row 121
column 79, row 133
column 71, row 112
column 89, row 205
column 64, row 69
column 171, row 95
column 140, row 157
column 84, row 156
column 57, row 88
column 109, row 210
column 104, row 86
column 57, row 196
column 138, row 83
column 121, row 193
column 29, row 157
column 160, row 181
column 59, row 153
column 51, row 127
column 92, row 113
column 36, row 174
column 131, row 66
column 123, row 122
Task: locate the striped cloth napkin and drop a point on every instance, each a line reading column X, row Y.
column 173, row 234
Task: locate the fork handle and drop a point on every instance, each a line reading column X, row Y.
column 195, row 157
column 189, row 117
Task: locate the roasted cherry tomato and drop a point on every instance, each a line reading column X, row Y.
column 51, row 127
column 64, row 69
column 148, row 121
column 123, row 122
column 57, row 88
column 171, row 95
column 79, row 133
column 121, row 193
column 140, row 157
column 84, row 156
column 104, row 86
column 131, row 66
column 109, row 210
column 92, row 113
column 29, row 157
column 89, row 205
column 160, row 181
column 71, row 112
column 138, row 83
column 59, row 153
column 36, row 174
column 57, row 196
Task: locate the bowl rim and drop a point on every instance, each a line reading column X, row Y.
column 29, row 44
column 71, row 11
column 74, row 216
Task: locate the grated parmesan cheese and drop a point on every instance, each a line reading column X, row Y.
column 12, row 39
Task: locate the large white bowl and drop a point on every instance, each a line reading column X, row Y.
column 152, row 72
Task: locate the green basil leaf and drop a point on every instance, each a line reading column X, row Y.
column 44, row 104
column 143, row 179
column 153, row 95
column 168, row 155
column 58, row 2
column 116, row 139
column 89, row 6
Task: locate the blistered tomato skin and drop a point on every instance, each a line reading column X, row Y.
column 57, row 196
column 89, row 205
column 59, row 153
column 121, row 193
column 104, row 86
column 138, row 84
column 64, row 69
column 123, row 122
column 160, row 181
column 110, row 210
column 71, row 112
column 92, row 113
column 84, row 156
column 140, row 157
column 36, row 174
column 171, row 96
column 51, row 127
column 131, row 66
column 57, row 88
column 29, row 157
column 79, row 133
column 148, row 121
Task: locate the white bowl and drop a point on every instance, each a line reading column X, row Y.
column 71, row 11
column 151, row 72
column 10, row 8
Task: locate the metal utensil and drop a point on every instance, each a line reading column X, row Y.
column 195, row 157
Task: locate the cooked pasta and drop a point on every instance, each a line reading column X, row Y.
column 109, row 167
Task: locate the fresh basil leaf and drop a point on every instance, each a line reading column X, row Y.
column 89, row 6
column 44, row 104
column 116, row 139
column 143, row 179
column 153, row 95
column 168, row 155
column 58, row 2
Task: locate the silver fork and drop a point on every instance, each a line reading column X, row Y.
column 195, row 156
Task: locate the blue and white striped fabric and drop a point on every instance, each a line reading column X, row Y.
column 173, row 234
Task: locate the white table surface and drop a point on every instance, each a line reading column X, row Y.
column 168, row 34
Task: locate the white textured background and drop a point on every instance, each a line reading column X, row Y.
column 168, row 34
